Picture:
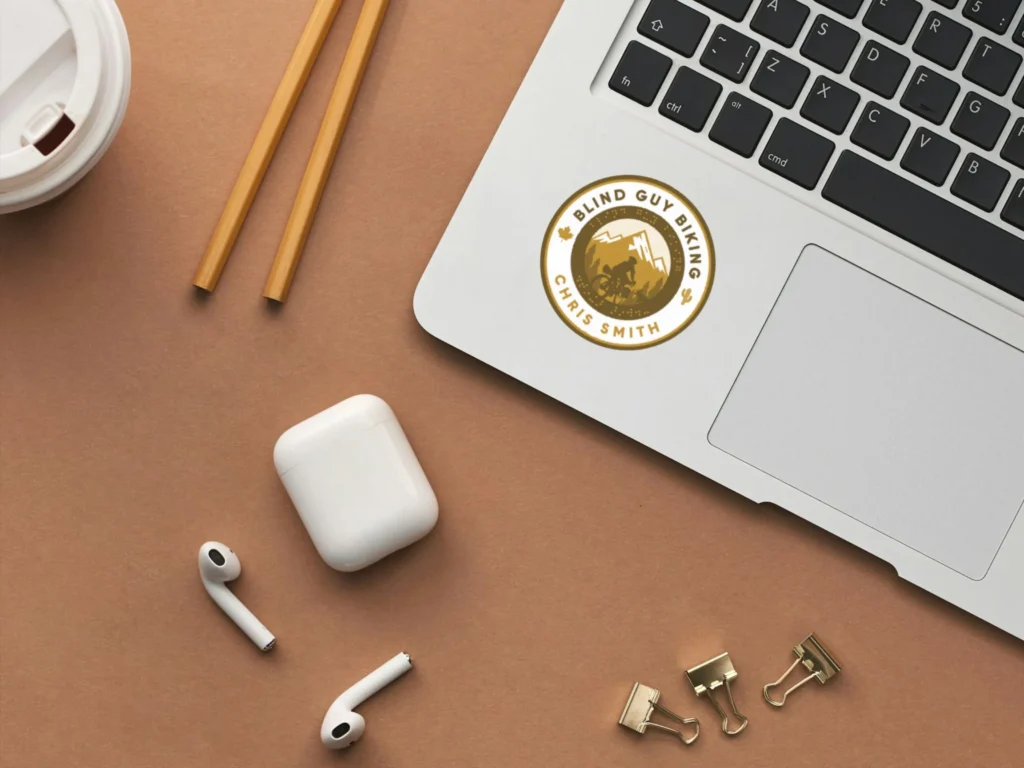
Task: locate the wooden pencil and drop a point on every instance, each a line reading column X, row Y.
column 324, row 149
column 263, row 146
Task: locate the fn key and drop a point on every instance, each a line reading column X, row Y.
column 797, row 154
column 640, row 73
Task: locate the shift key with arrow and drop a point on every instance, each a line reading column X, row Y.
column 674, row 25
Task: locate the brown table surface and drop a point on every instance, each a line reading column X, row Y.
column 138, row 422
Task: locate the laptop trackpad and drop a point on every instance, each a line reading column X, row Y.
column 885, row 408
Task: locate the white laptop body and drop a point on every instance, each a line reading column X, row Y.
column 816, row 362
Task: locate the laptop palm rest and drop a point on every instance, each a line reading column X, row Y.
column 886, row 408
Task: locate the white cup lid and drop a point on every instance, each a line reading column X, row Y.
column 64, row 75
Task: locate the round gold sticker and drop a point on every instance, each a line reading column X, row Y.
column 628, row 262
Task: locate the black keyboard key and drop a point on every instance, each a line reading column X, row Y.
column 829, row 43
column 1013, row 211
column 880, row 69
column 930, row 222
column 947, row 3
column 734, row 9
column 740, row 125
column 729, row 53
column 1018, row 33
column 892, row 18
column 674, row 25
column 830, row 105
column 992, row 14
column 980, row 182
column 796, row 154
column 930, row 156
column 640, row 73
column 1013, row 149
column 780, row 79
column 880, row 130
column 780, row 20
column 942, row 40
column 847, row 8
column 690, row 99
column 992, row 66
column 980, row 121
column 930, row 95
column 1018, row 95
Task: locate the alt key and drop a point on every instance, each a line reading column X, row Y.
column 740, row 124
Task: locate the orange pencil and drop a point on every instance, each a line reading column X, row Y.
column 255, row 166
column 324, row 149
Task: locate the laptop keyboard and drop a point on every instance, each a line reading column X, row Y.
column 945, row 119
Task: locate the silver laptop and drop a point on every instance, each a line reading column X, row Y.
column 781, row 243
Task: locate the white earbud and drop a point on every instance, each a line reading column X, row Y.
column 342, row 727
column 218, row 565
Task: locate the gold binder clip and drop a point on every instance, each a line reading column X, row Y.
column 641, row 705
column 712, row 674
column 823, row 667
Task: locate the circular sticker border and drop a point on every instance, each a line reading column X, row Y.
column 664, row 188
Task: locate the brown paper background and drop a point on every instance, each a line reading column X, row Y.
column 138, row 421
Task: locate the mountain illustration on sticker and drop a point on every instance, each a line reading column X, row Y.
column 636, row 244
column 607, row 257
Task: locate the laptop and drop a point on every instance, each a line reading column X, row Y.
column 782, row 243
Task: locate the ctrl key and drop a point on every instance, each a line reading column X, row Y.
column 1013, row 211
column 797, row 154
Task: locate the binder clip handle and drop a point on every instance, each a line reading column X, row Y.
column 741, row 719
column 712, row 674
column 813, row 656
column 640, row 708
column 768, row 696
column 682, row 720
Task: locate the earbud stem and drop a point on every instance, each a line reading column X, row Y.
column 380, row 678
column 242, row 616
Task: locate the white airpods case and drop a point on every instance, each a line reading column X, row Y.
column 356, row 483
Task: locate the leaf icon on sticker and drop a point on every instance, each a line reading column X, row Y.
column 687, row 295
column 565, row 233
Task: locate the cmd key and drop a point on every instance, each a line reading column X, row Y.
column 796, row 154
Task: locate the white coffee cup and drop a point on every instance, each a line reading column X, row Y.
column 65, row 73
